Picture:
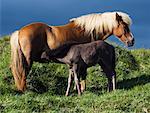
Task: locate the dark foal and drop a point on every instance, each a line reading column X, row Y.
column 81, row 56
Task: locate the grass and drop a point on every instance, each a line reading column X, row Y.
column 47, row 84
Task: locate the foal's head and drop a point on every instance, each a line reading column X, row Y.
column 122, row 31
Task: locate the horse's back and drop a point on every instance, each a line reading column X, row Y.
column 33, row 30
column 33, row 39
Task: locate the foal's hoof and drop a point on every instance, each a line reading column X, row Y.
column 79, row 94
column 66, row 94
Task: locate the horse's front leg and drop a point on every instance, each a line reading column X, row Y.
column 83, row 85
column 83, row 82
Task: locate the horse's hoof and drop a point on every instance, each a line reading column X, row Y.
column 82, row 90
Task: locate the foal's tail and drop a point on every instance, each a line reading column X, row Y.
column 18, row 62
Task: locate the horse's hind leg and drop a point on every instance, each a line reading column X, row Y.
column 26, row 68
column 22, row 71
column 25, row 73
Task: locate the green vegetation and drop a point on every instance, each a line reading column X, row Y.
column 47, row 84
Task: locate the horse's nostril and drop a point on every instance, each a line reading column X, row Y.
column 133, row 41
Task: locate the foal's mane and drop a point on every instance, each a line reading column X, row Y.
column 100, row 22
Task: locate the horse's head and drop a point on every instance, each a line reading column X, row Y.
column 122, row 31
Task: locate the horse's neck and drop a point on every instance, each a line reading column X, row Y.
column 92, row 36
column 75, row 33
column 104, row 36
column 99, row 36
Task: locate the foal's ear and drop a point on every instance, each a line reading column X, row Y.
column 118, row 18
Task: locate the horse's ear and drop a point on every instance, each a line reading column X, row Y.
column 50, row 28
column 71, row 20
column 118, row 18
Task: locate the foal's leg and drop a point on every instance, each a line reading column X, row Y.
column 76, row 79
column 111, row 75
column 114, row 80
column 111, row 81
column 82, row 84
column 69, row 81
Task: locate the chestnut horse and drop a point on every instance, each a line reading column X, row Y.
column 29, row 42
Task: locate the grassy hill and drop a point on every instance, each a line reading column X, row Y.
column 47, row 84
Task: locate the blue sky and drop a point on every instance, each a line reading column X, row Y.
column 17, row 13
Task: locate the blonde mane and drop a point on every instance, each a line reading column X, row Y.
column 100, row 22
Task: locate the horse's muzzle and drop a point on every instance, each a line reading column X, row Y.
column 131, row 43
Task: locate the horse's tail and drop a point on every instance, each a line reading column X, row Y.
column 18, row 63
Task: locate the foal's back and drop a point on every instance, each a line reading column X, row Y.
column 89, row 53
column 93, row 52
